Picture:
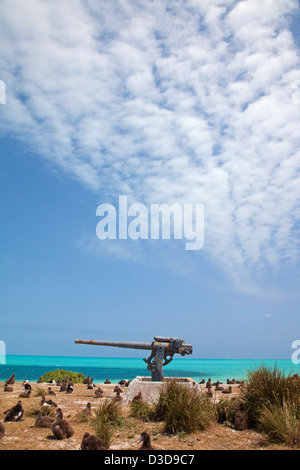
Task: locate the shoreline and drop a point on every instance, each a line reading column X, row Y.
column 116, row 369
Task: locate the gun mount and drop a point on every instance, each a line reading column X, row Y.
column 162, row 351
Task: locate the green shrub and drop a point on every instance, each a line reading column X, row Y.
column 60, row 374
column 183, row 409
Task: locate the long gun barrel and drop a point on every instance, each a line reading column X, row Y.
column 116, row 344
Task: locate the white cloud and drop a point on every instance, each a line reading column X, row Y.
column 168, row 101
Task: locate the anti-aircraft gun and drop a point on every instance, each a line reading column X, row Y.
column 162, row 351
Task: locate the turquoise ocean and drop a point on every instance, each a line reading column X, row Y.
column 100, row 368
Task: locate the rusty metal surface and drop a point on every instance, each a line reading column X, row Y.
column 116, row 344
column 162, row 339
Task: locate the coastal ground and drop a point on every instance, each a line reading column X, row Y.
column 23, row 435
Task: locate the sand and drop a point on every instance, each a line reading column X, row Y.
column 23, row 435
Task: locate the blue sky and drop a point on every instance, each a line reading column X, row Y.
column 162, row 101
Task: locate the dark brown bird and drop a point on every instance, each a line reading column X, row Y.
column 11, row 380
column 43, row 421
column 26, row 385
column 227, row 390
column 63, row 387
column 2, row 430
column 70, row 387
column 107, row 381
column 99, row 393
column 25, row 394
column 88, row 409
column 240, row 419
column 138, row 397
column 202, row 382
column 123, row 382
column 118, row 397
column 86, row 380
column 15, row 413
column 219, row 388
column 61, row 428
column 91, row 442
column 50, row 392
column 48, row 402
column 7, row 388
column 90, row 385
column 145, row 438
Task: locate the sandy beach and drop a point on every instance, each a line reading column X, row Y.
column 23, row 435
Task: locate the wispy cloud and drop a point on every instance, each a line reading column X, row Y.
column 188, row 101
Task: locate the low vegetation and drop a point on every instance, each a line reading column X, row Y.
column 272, row 403
column 60, row 374
column 141, row 410
column 183, row 410
column 226, row 410
column 269, row 402
column 108, row 416
column 281, row 423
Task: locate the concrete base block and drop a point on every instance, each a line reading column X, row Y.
column 150, row 390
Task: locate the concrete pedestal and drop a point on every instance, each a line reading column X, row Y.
column 150, row 390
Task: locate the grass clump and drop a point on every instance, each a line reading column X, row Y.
column 268, row 386
column 40, row 392
column 104, row 430
column 108, row 417
column 281, row 423
column 110, row 410
column 82, row 417
column 226, row 410
column 272, row 402
column 141, row 410
column 60, row 374
column 183, row 409
column 45, row 410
